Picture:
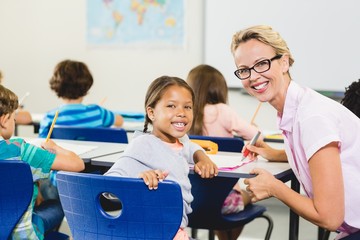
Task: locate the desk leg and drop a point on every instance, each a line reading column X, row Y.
column 294, row 218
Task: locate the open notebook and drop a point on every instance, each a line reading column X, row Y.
column 76, row 148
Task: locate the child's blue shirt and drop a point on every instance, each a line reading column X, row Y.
column 79, row 115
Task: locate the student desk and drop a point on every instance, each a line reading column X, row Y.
column 87, row 150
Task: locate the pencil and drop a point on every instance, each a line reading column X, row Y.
column 256, row 112
column 52, row 126
column 23, row 98
column 103, row 101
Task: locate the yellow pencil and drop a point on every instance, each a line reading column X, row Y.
column 52, row 125
column 256, row 112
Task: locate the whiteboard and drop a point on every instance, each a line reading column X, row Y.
column 323, row 36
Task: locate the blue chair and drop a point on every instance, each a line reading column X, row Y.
column 16, row 184
column 217, row 190
column 100, row 134
column 145, row 214
column 225, row 144
column 209, row 196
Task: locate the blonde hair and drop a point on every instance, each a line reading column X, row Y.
column 266, row 35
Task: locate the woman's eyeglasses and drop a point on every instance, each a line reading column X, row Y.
column 260, row 67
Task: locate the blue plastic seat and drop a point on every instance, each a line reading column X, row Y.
column 145, row 214
column 209, row 196
column 100, row 134
column 225, row 144
column 16, row 186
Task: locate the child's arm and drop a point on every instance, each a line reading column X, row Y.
column 204, row 166
column 152, row 178
column 119, row 120
column 23, row 117
column 65, row 160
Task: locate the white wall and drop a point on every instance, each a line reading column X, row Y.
column 323, row 37
column 37, row 34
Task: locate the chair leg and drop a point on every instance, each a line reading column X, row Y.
column 193, row 233
column 211, row 235
column 270, row 227
column 326, row 234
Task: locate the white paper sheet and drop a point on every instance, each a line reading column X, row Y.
column 76, row 148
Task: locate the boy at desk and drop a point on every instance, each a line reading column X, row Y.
column 71, row 82
column 167, row 151
column 38, row 219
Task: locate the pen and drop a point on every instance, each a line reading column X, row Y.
column 21, row 101
column 52, row 126
column 252, row 142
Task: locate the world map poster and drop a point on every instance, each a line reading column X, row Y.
column 154, row 23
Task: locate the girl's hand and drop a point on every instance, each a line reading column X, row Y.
column 205, row 167
column 152, row 177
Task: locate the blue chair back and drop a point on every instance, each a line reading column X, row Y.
column 209, row 196
column 225, row 144
column 16, row 184
column 100, row 134
column 145, row 214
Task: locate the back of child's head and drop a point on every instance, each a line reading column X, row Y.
column 210, row 87
column 8, row 101
column 208, row 84
column 157, row 89
column 71, row 79
column 351, row 98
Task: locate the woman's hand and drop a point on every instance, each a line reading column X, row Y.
column 261, row 186
column 153, row 177
column 263, row 149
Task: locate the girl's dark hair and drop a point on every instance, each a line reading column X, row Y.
column 351, row 98
column 209, row 87
column 156, row 90
column 8, row 101
column 71, row 79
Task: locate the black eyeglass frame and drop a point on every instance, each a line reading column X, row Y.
column 253, row 67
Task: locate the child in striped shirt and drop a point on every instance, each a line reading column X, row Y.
column 71, row 82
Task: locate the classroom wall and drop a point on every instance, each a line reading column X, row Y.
column 37, row 34
column 323, row 37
